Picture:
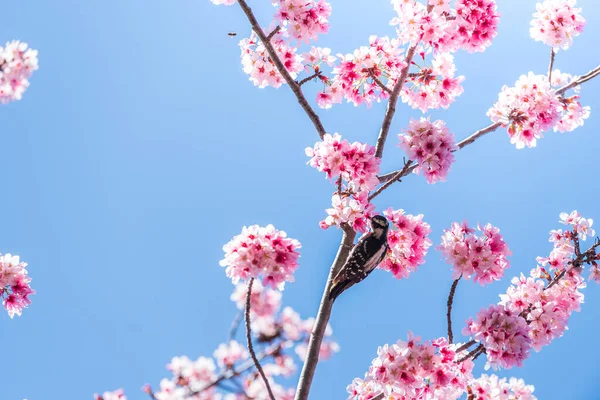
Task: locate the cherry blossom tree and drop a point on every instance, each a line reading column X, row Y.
column 415, row 67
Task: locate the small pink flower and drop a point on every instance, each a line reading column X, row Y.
column 556, row 23
column 116, row 395
column 17, row 63
column 304, row 19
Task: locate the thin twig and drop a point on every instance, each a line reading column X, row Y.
column 471, row 354
column 308, row 78
column 466, row 346
column 480, row 353
column 582, row 79
column 391, row 107
column 396, row 177
column 449, row 312
column 379, row 83
column 551, row 66
column 282, row 70
column 318, row 331
column 235, row 325
column 277, row 29
column 249, row 339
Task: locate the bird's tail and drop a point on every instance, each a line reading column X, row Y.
column 337, row 288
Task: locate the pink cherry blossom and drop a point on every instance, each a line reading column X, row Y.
column 594, row 273
column 229, row 354
column 408, row 243
column 118, row 394
column 17, row 63
column 354, row 167
column 556, row 23
column 504, row 334
column 224, row 2
column 263, row 301
column 14, row 284
column 431, row 144
column 316, row 57
column 304, row 19
column 261, row 252
column 528, row 109
column 433, row 87
column 481, row 257
column 573, row 115
column 490, row 387
column 414, row 370
column 356, row 77
column 262, row 70
column 581, row 226
column 477, row 23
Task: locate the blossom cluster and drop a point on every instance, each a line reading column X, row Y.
column 504, row 334
column 355, row 168
column 17, row 63
column 481, row 257
column 408, row 243
column 14, row 284
column 431, row 144
column 573, row 113
column 305, row 19
column 490, row 387
column 470, row 26
column 261, row 252
column 528, row 109
column 556, row 23
column 261, row 68
column 118, row 394
column 433, row 87
column 366, row 75
column 536, row 309
column 414, row 370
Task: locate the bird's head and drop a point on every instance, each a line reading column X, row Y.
column 379, row 225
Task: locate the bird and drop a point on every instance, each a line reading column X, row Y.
column 368, row 252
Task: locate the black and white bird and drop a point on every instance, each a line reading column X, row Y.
column 364, row 257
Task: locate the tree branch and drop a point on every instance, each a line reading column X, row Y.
column 466, row 346
column 391, row 108
column 235, row 324
column 282, row 70
column 582, row 79
column 277, row 29
column 303, row 81
column 316, row 337
column 249, row 339
column 473, row 353
column 379, row 83
column 396, row 177
column 551, row 66
column 449, row 312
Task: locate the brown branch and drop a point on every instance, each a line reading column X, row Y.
column 380, row 396
column 318, row 331
column 249, row 339
column 396, row 177
column 582, row 79
column 551, row 66
column 466, row 346
column 379, row 83
column 303, row 81
column 277, row 29
column 282, row 70
column 391, row 107
column 473, row 353
column 449, row 312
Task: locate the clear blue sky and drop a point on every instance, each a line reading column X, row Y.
column 141, row 148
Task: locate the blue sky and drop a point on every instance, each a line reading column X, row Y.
column 141, row 148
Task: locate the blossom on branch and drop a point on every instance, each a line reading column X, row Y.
column 556, row 23
column 481, row 257
column 264, row 301
column 229, row 354
column 304, row 19
column 262, row 253
column 528, row 109
column 431, row 144
column 504, row 334
column 414, row 370
column 14, row 284
column 408, row 243
column 17, row 63
column 490, row 387
column 261, row 68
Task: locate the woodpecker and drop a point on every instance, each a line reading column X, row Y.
column 364, row 257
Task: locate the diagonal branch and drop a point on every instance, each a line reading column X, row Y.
column 391, row 108
column 379, row 83
column 551, row 66
column 308, row 78
column 282, row 70
column 249, row 338
column 316, row 337
column 582, row 79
